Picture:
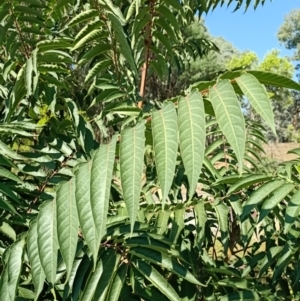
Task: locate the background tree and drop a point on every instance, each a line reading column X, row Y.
column 283, row 102
column 289, row 34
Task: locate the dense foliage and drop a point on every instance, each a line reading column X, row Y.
column 107, row 194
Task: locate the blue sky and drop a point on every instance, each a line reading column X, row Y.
column 254, row 30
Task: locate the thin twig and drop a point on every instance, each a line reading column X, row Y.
column 49, row 177
column 148, row 41
column 26, row 51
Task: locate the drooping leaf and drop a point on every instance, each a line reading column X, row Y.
column 177, row 224
column 121, row 38
column 5, row 173
column 118, row 283
column 274, row 79
column 11, row 272
column 110, row 263
column 222, row 216
column 191, row 122
column 201, row 219
column 67, row 223
column 259, row 194
column 277, row 196
column 230, row 117
column 28, row 76
column 131, row 167
column 53, row 44
column 37, row 272
column 269, row 258
column 91, row 286
column 164, row 128
column 79, row 279
column 160, row 243
column 283, row 260
column 292, row 211
column 248, row 181
column 101, row 177
column 94, row 51
column 93, row 180
column 162, row 221
column 156, row 279
column 80, row 253
column 47, row 239
column 258, row 97
column 164, row 261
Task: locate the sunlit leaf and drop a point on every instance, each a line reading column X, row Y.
column 47, row 239
column 230, row 117
column 38, row 275
column 131, row 164
column 277, row 196
column 191, row 123
column 164, row 128
column 258, row 97
column 67, row 223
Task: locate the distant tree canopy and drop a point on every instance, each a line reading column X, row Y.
column 289, row 34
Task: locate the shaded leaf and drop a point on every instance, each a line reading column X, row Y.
column 259, row 194
column 201, row 219
column 292, row 211
column 110, row 261
column 122, row 40
column 156, row 279
column 117, row 283
column 165, row 261
column 11, row 272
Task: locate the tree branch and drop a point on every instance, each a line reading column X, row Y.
column 148, row 41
